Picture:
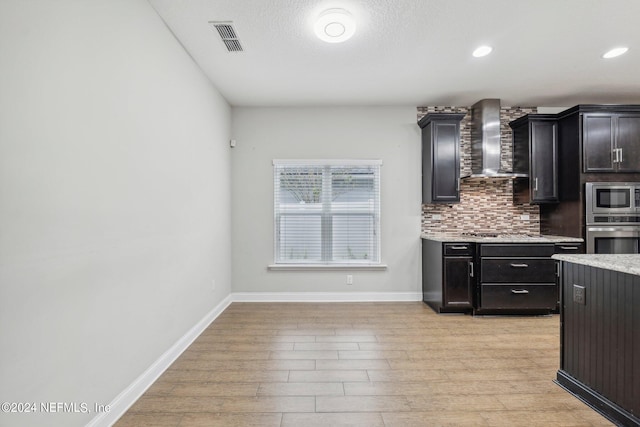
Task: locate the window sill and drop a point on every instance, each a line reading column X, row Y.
column 326, row 267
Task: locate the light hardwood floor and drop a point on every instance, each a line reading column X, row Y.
column 364, row 364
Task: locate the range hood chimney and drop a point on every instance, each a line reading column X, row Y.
column 485, row 141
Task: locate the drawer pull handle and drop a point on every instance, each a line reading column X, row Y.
column 519, row 291
column 459, row 247
column 519, row 265
column 569, row 248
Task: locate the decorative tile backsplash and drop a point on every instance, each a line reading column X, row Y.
column 485, row 205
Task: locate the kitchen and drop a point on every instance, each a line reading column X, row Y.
column 504, row 269
column 521, row 165
column 126, row 208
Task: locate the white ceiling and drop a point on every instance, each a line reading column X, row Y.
column 416, row 52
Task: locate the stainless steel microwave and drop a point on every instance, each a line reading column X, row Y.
column 606, row 198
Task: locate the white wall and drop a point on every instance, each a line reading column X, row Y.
column 114, row 199
column 263, row 134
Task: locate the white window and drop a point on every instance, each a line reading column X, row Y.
column 327, row 212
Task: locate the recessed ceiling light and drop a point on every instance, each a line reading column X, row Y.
column 482, row 51
column 335, row 26
column 615, row 52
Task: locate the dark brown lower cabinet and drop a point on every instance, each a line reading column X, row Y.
column 600, row 340
column 448, row 276
column 517, row 278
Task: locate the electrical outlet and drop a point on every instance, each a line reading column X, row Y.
column 349, row 279
column 579, row 294
column 524, row 217
column 436, row 217
column 213, row 285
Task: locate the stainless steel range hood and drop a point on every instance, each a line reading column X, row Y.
column 485, row 142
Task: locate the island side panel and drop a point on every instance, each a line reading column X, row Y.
column 634, row 334
column 601, row 337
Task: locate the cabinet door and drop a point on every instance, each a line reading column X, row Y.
column 628, row 143
column 598, row 143
column 543, row 180
column 458, row 282
column 446, row 163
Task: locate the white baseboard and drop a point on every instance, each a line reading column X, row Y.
column 128, row 396
column 325, row 296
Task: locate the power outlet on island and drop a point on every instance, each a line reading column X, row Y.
column 349, row 279
column 213, row 285
column 579, row 294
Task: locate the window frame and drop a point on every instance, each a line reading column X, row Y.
column 327, row 215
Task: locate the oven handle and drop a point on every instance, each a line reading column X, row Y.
column 631, row 228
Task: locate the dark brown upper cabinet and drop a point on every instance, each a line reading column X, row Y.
column 596, row 143
column 611, row 142
column 535, row 153
column 441, row 157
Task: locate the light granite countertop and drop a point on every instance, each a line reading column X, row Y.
column 502, row 238
column 625, row 263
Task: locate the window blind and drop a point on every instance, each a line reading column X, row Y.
column 327, row 212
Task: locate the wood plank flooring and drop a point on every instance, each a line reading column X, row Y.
column 364, row 364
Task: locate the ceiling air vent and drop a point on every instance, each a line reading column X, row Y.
column 228, row 35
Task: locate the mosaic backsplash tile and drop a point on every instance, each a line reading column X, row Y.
column 485, row 205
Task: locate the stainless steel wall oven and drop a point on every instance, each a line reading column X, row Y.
column 612, row 217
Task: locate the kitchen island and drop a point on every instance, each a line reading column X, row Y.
column 600, row 333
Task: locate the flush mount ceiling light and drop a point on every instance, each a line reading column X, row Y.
column 482, row 51
column 335, row 26
column 615, row 52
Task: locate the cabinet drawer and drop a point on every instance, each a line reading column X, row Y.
column 517, row 295
column 511, row 250
column 458, row 249
column 519, row 270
